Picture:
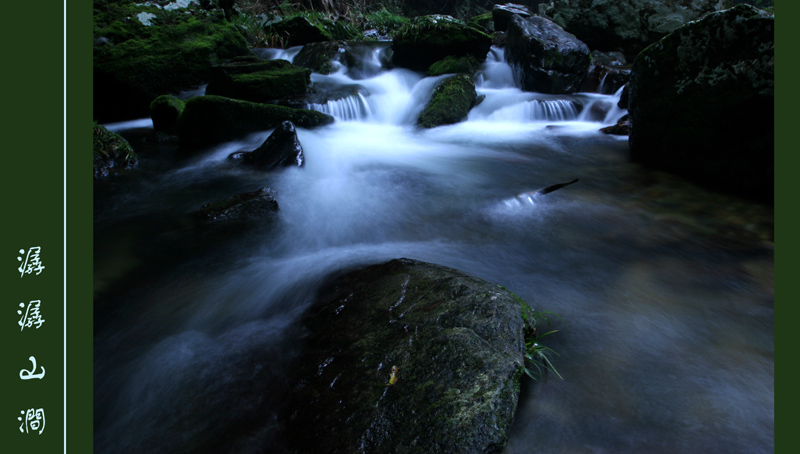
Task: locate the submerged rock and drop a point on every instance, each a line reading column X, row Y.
column 112, row 153
column 622, row 128
column 207, row 120
column 428, row 39
column 625, row 25
column 407, row 356
column 281, row 149
column 248, row 205
column 258, row 81
column 451, row 101
column 545, row 58
column 701, row 102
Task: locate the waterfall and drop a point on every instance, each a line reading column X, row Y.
column 356, row 107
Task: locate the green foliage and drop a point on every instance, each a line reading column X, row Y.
column 537, row 355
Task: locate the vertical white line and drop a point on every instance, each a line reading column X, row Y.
column 65, row 225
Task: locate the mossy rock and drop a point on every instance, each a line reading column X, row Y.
column 304, row 29
column 134, row 63
column 702, row 101
column 483, row 22
column 428, row 39
column 112, row 153
column 208, row 120
column 451, row 101
column 456, row 343
column 165, row 112
column 453, row 65
column 321, row 57
column 261, row 81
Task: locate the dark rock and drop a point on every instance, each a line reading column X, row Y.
column 165, row 112
column 502, row 14
column 261, row 81
column 622, row 128
column 608, row 58
column 134, row 63
column 451, row 101
column 321, row 57
column 623, row 98
column 702, row 102
column 546, row 59
column 606, row 79
column 208, row 120
column 248, row 205
column 428, row 39
column 281, row 149
column 112, row 153
column 626, row 25
column 454, row 341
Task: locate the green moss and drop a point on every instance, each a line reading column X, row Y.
column 451, row 65
column 165, row 111
column 450, row 103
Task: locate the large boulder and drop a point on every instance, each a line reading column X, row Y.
column 407, row 356
column 208, row 120
column 701, row 102
column 428, row 39
column 258, row 81
column 625, row 25
column 142, row 52
column 165, row 112
column 545, row 58
column 321, row 57
column 281, row 149
column 502, row 14
column 306, row 29
column 451, row 101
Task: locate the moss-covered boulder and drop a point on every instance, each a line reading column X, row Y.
column 165, row 112
column 281, row 149
column 112, row 153
column 626, row 25
column 483, row 22
column 545, row 57
column 321, row 57
column 701, row 102
column 208, row 120
column 451, row 101
column 258, row 81
column 407, row 357
column 304, row 29
column 248, row 205
column 502, row 14
column 428, row 39
column 453, row 65
column 142, row 51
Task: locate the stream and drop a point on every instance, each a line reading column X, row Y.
column 663, row 291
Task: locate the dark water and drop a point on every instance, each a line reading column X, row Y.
column 664, row 291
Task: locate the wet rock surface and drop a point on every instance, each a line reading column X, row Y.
column 404, row 357
column 546, row 58
column 259, row 81
column 282, row 148
column 701, row 103
column 247, row 205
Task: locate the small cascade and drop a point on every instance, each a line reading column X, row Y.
column 356, row 107
column 367, row 60
column 504, row 109
column 277, row 53
column 494, row 72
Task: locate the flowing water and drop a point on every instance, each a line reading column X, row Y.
column 663, row 290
